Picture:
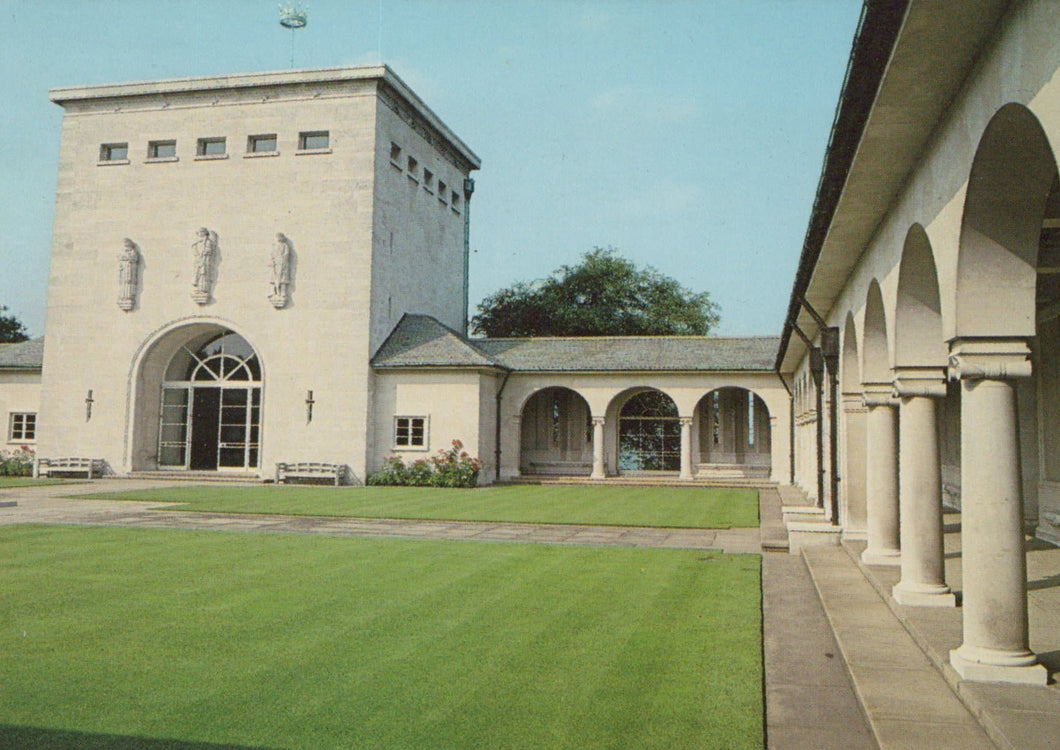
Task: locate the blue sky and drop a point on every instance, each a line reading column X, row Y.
column 689, row 135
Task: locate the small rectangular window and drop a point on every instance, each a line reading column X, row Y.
column 316, row 140
column 211, row 147
column 413, row 168
column 442, row 191
column 162, row 149
column 261, row 144
column 428, row 180
column 410, row 432
column 454, row 200
column 395, row 154
column 22, row 426
column 114, row 152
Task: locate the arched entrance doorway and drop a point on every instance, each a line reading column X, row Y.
column 210, row 415
column 734, row 433
column 649, row 433
column 556, row 434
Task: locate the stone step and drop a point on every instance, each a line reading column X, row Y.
column 219, row 477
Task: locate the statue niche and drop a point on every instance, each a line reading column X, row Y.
column 281, row 264
column 128, row 275
column 204, row 257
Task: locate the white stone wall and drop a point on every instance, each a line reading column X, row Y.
column 327, row 202
column 19, row 393
column 456, row 404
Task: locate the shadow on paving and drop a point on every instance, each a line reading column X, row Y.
column 58, row 739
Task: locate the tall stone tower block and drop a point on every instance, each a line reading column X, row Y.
column 228, row 254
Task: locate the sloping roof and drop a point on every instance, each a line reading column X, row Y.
column 421, row 341
column 26, row 355
column 633, row 353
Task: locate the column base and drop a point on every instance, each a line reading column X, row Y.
column 972, row 670
column 686, row 477
column 891, row 558
column 598, row 476
column 923, row 595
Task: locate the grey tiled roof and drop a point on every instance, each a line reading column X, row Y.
column 421, row 341
column 629, row 353
column 27, row 355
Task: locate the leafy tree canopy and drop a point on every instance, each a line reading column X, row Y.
column 12, row 329
column 604, row 295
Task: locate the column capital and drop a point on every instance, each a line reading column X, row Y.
column 920, row 381
column 878, row 394
column 853, row 403
column 599, row 420
column 990, row 359
column 685, row 421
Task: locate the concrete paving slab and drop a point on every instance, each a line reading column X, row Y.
column 896, row 734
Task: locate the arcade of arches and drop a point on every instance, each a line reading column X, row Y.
column 641, row 431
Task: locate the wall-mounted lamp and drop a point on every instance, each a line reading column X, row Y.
column 309, row 406
column 88, row 405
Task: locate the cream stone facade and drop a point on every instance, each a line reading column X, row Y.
column 928, row 286
column 347, row 164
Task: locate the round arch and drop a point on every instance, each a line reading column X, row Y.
column 648, row 434
column 196, row 399
column 556, row 433
column 1010, row 179
column 734, row 432
column 875, row 356
column 918, row 339
column 850, row 367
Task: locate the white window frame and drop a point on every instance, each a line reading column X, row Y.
column 203, row 144
column 107, row 151
column 408, row 430
column 16, row 421
column 305, row 136
column 255, row 139
column 155, row 150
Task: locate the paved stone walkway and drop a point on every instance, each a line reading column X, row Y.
column 47, row 505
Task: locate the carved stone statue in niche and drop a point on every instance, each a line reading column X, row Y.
column 205, row 256
column 128, row 275
column 280, row 262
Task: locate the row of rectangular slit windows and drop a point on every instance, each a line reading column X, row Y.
column 312, row 140
column 412, row 168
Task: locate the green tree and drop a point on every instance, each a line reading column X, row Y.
column 603, row 295
column 11, row 328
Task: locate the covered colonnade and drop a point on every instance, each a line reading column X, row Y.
column 933, row 263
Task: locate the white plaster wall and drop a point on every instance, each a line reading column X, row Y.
column 19, row 392
column 454, row 403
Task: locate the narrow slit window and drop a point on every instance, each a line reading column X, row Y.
column 211, row 147
column 261, row 144
column 395, row 154
column 413, row 168
column 442, row 191
column 428, row 180
column 454, row 201
column 114, row 152
column 316, row 140
column 162, row 150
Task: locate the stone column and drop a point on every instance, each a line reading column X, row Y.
column 881, row 476
column 517, row 446
column 994, row 564
column 853, row 485
column 598, row 449
column 923, row 582
column 686, row 448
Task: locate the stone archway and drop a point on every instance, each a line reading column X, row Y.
column 198, row 402
column 649, row 432
column 734, row 434
column 556, row 433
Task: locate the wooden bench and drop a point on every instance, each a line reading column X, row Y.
column 310, row 470
column 49, row 467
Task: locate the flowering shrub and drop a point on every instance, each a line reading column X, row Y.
column 17, row 463
column 451, row 467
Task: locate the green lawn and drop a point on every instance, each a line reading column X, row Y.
column 137, row 638
column 6, row 482
column 621, row 506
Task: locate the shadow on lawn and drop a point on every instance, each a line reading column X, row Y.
column 57, row 739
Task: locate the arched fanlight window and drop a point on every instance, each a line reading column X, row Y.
column 227, row 357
